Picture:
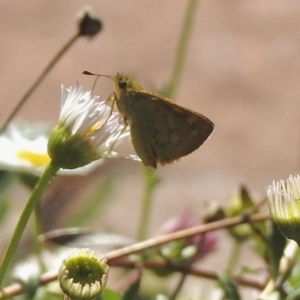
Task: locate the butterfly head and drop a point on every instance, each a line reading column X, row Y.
column 124, row 83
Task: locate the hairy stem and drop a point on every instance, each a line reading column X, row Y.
column 38, row 190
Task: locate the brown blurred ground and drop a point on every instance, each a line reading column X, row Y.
column 242, row 71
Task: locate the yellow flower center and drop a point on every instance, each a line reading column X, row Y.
column 294, row 209
column 93, row 128
column 36, row 159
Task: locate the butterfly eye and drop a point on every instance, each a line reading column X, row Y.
column 122, row 84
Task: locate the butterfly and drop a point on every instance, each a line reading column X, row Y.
column 161, row 130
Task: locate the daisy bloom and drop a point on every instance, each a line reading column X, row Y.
column 23, row 149
column 87, row 130
column 284, row 205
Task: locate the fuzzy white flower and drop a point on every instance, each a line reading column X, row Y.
column 87, row 130
column 284, row 197
column 23, row 148
column 284, row 205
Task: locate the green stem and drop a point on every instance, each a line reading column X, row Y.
column 17, row 289
column 181, row 48
column 37, row 221
column 40, row 78
column 177, row 70
column 38, row 190
column 234, row 255
column 37, row 231
column 145, row 215
column 151, row 182
column 287, row 262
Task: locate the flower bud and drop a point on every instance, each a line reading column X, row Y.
column 89, row 24
column 83, row 274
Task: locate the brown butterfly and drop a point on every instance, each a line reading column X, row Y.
column 161, row 130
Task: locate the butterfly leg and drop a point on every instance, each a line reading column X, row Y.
column 121, row 132
column 112, row 97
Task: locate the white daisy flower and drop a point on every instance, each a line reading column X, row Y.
column 284, row 205
column 87, row 130
column 23, row 148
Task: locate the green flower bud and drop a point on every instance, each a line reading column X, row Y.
column 69, row 151
column 240, row 203
column 83, row 274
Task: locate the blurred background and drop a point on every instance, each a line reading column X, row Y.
column 242, row 71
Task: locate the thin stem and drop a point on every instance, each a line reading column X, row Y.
column 234, row 255
column 41, row 185
column 181, row 48
column 144, row 216
column 179, row 285
column 160, row 240
column 177, row 70
column 192, row 270
column 151, row 181
column 183, row 275
column 40, row 78
column 287, row 262
column 17, row 289
column 114, row 256
column 37, row 231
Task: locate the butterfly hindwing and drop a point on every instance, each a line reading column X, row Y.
column 142, row 144
column 163, row 131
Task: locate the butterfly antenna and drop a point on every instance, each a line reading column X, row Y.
column 98, row 75
column 92, row 74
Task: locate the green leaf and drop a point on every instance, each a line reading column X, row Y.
column 29, row 180
column 110, row 295
column 294, row 295
column 132, row 292
column 229, row 287
column 293, row 281
column 277, row 244
column 30, row 286
column 5, row 179
column 4, row 207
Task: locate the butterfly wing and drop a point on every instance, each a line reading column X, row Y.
column 142, row 144
column 161, row 130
